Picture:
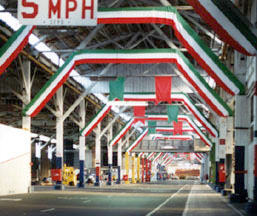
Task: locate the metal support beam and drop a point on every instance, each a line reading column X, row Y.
column 112, row 122
column 98, row 155
column 87, row 40
column 26, row 93
column 59, row 134
column 110, row 154
column 119, row 162
column 84, row 94
column 211, row 35
column 82, row 142
column 128, row 137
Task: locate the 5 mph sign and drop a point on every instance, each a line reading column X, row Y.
column 58, row 12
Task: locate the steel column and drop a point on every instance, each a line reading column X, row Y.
column 98, row 155
column 110, row 155
column 82, row 143
column 26, row 94
column 119, row 161
column 59, row 134
column 241, row 138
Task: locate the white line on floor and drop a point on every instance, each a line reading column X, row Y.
column 8, row 199
column 235, row 210
column 165, row 202
column 48, row 210
column 229, row 205
column 110, row 196
column 187, row 203
column 87, row 201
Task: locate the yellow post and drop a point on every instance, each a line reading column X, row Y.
column 133, row 169
column 127, row 167
column 138, row 169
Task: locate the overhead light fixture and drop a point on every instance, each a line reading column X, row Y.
column 168, row 147
column 127, row 103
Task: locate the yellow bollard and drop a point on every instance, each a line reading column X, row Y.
column 133, row 169
column 127, row 167
column 138, row 169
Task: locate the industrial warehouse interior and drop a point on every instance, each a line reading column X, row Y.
column 139, row 107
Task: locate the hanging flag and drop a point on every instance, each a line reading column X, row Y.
column 139, row 111
column 151, row 127
column 116, row 89
column 172, row 111
column 163, row 88
column 178, row 127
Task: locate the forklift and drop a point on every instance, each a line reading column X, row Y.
column 69, row 177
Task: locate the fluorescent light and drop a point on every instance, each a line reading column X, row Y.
column 127, row 103
column 168, row 147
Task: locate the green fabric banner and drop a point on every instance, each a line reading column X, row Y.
column 172, row 112
column 151, row 127
column 116, row 89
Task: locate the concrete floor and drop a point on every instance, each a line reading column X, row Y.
column 165, row 198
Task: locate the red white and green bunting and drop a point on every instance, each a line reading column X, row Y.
column 145, row 155
column 229, row 23
column 151, row 156
column 166, row 160
column 198, row 131
column 198, row 160
column 14, row 46
column 121, row 133
column 157, row 156
column 96, row 120
column 163, row 157
column 128, row 57
column 169, row 161
column 178, row 97
column 198, row 156
column 187, row 36
column 140, row 154
column 172, row 137
column 137, row 141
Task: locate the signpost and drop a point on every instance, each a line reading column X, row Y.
column 58, row 12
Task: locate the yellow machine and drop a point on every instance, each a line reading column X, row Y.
column 68, row 176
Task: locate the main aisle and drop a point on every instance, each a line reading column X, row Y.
column 162, row 198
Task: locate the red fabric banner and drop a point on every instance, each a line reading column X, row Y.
column 178, row 128
column 139, row 111
column 163, row 88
